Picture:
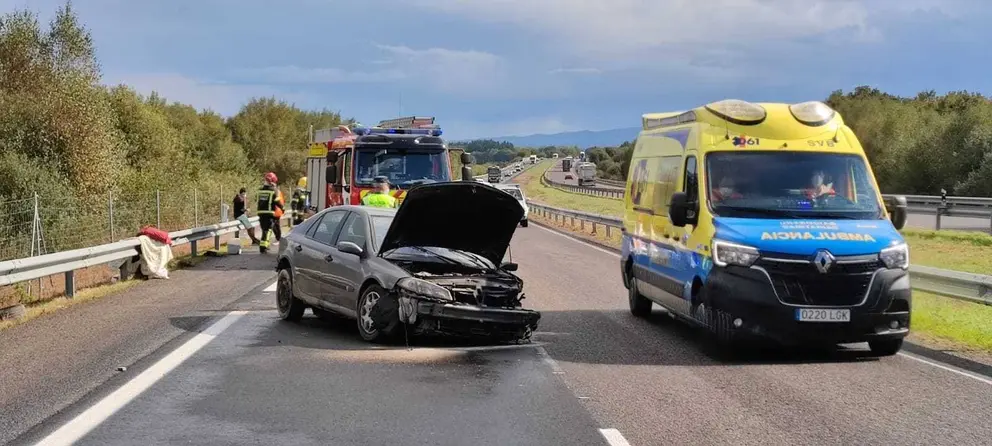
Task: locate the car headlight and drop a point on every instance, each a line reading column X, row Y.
column 895, row 256
column 423, row 288
column 726, row 253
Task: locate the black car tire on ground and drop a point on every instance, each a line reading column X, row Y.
column 370, row 312
column 885, row 348
column 290, row 308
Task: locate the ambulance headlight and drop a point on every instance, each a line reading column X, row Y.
column 895, row 256
column 738, row 111
column 726, row 253
column 812, row 113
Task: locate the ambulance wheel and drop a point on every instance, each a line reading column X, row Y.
column 640, row 306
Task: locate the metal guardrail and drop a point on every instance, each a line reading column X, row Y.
column 940, row 206
column 969, row 287
column 67, row 262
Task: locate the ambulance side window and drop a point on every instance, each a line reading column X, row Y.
column 689, row 184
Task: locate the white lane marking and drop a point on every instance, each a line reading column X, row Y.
column 96, row 414
column 948, row 368
column 614, row 437
column 907, row 355
column 558, row 233
column 550, row 361
column 270, row 288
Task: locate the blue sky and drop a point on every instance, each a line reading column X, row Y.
column 516, row 67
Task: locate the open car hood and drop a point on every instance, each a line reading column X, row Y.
column 464, row 215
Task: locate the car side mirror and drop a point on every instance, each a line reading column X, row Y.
column 681, row 211
column 350, row 248
column 508, row 266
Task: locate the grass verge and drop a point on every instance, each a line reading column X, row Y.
column 42, row 308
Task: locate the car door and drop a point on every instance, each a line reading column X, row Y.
column 347, row 270
column 314, row 252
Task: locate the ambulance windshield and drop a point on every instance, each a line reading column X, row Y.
column 404, row 168
column 790, row 185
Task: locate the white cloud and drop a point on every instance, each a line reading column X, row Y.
column 225, row 99
column 615, row 29
column 293, row 74
column 464, row 73
column 575, row 71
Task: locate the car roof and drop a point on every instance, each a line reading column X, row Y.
column 366, row 210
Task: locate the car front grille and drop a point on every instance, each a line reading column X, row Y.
column 844, row 284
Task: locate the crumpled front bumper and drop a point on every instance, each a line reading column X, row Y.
column 467, row 320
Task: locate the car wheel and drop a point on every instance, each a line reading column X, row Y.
column 885, row 348
column 640, row 306
column 290, row 308
column 523, row 223
column 371, row 324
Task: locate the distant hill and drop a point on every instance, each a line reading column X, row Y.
column 582, row 139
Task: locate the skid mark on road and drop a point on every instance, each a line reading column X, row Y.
column 92, row 417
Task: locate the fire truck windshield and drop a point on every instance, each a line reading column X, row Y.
column 404, row 168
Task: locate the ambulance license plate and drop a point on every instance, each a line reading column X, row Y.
column 823, row 315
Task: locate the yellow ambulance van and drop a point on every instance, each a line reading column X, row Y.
column 763, row 219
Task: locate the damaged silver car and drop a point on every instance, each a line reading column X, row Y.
column 434, row 266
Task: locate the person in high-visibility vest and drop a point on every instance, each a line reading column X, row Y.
column 301, row 202
column 380, row 198
column 270, row 208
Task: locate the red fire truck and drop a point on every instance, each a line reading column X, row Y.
column 344, row 161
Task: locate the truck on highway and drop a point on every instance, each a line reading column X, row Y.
column 495, row 174
column 532, row 159
column 566, row 164
column 344, row 161
column 763, row 219
column 586, row 174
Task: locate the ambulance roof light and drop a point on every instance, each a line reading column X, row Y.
column 812, row 113
column 397, row 131
column 738, row 112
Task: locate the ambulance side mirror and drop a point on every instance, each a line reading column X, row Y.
column 331, row 174
column 681, row 211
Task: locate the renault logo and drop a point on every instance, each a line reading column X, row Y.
column 823, row 260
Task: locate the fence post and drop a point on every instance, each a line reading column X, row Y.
column 110, row 207
column 70, row 284
column 158, row 209
column 196, row 211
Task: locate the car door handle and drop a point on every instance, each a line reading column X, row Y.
column 329, row 258
column 298, row 248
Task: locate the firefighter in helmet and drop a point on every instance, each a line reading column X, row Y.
column 270, row 208
column 380, row 197
column 301, row 202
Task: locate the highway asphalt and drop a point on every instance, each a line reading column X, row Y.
column 919, row 221
column 208, row 362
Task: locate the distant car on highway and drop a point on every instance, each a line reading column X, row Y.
column 569, row 176
column 429, row 265
column 518, row 194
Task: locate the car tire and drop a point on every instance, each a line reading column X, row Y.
column 885, row 348
column 640, row 306
column 368, row 310
column 290, row 307
column 523, row 223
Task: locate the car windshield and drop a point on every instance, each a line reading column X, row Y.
column 403, row 168
column 380, row 224
column 790, row 185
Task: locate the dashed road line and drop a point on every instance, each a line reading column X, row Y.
column 96, row 414
column 550, row 361
column 614, row 437
column 270, row 288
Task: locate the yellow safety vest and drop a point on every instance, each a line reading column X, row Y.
column 379, row 200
